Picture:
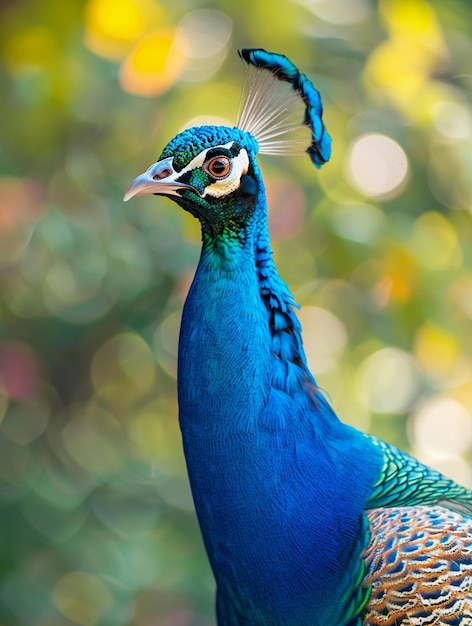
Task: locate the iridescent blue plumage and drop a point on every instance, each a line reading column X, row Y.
column 296, row 509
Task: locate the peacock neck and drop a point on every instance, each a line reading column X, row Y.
column 253, row 432
column 224, row 347
column 240, row 336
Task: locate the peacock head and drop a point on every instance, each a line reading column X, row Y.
column 212, row 172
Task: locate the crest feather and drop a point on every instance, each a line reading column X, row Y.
column 281, row 108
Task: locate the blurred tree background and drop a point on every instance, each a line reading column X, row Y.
column 97, row 526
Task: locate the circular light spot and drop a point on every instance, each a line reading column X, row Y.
column 435, row 242
column 123, row 366
column 203, row 33
column 377, row 165
column 93, row 439
column 436, row 350
column 324, row 337
column 120, row 20
column 339, row 11
column 202, row 38
column 19, row 370
column 388, row 381
column 442, row 426
column 153, row 65
column 357, row 222
column 24, row 422
column 452, row 120
column 82, row 598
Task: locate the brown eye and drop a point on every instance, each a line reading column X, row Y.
column 218, row 167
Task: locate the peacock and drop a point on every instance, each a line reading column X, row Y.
column 305, row 520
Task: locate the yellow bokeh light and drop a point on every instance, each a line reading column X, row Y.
column 116, row 19
column 401, row 68
column 436, row 350
column 398, row 67
column 123, row 368
column 82, row 598
column 434, row 242
column 399, row 274
column 157, row 438
column 153, row 65
column 414, row 20
column 92, row 438
column 113, row 25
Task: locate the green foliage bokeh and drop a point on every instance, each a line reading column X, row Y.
column 96, row 519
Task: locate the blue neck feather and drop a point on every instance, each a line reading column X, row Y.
column 269, row 462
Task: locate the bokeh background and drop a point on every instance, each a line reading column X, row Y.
column 96, row 519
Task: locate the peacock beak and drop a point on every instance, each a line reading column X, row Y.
column 158, row 179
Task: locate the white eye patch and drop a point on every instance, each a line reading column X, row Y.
column 225, row 186
column 200, row 159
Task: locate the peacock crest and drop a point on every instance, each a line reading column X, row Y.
column 281, row 108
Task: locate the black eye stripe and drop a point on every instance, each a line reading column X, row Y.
column 214, row 152
column 185, row 178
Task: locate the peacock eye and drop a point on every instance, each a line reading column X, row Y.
column 218, row 167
